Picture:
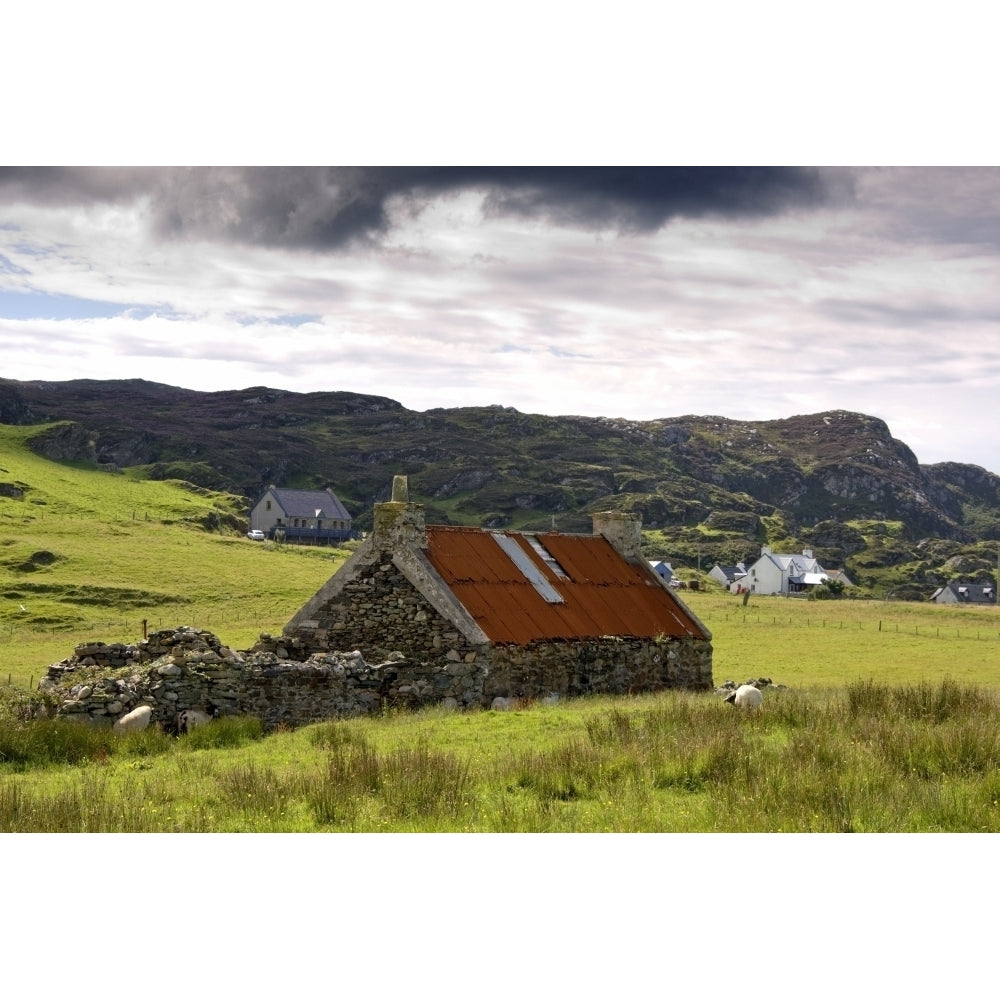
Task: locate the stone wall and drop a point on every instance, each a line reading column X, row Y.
column 600, row 666
column 378, row 609
column 185, row 668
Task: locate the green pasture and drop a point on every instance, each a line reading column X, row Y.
column 806, row 643
column 86, row 554
column 868, row 757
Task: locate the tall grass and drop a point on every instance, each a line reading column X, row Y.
column 865, row 758
column 59, row 741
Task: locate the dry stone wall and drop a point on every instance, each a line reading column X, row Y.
column 600, row 666
column 179, row 669
column 176, row 670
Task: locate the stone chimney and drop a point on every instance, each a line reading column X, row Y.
column 398, row 522
column 623, row 531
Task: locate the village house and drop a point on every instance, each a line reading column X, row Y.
column 301, row 516
column 965, row 593
column 733, row 578
column 662, row 569
column 776, row 573
column 524, row 615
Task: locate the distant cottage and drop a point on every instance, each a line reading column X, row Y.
column 662, row 569
column 301, row 515
column 965, row 593
column 522, row 615
column 733, row 578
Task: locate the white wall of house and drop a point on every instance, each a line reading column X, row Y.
column 766, row 577
column 770, row 573
column 266, row 513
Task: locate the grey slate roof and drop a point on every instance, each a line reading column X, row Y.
column 305, row 503
column 969, row 593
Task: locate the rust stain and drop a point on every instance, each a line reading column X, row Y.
column 604, row 595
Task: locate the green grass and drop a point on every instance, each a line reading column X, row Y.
column 88, row 554
column 817, row 643
column 865, row 758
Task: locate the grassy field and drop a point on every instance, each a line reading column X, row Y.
column 865, row 758
column 821, row 643
column 89, row 555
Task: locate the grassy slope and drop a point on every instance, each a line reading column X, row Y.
column 88, row 554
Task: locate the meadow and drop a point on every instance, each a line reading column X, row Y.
column 866, row 758
column 91, row 555
column 885, row 716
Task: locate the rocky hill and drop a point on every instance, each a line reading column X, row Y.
column 714, row 489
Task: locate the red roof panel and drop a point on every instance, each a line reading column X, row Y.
column 604, row 594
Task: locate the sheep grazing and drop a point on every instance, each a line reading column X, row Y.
column 746, row 696
column 135, row 721
column 191, row 719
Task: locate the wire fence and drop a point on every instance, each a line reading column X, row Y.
column 880, row 625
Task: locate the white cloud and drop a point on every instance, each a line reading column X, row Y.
column 885, row 304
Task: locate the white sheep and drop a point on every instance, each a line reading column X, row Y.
column 746, row 696
column 135, row 721
column 191, row 719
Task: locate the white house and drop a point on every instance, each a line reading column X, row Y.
column 301, row 515
column 731, row 577
column 774, row 573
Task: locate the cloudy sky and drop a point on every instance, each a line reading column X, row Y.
column 751, row 293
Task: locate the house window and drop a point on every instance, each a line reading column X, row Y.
column 268, row 505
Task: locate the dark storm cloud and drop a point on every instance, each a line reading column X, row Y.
column 61, row 186
column 330, row 207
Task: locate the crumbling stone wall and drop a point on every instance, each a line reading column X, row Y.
column 185, row 668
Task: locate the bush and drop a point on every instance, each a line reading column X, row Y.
column 829, row 590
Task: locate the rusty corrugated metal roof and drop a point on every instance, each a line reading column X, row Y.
column 602, row 594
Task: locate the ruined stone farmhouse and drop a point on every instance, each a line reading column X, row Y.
column 523, row 615
column 420, row 615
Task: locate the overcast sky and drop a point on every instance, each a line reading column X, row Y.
column 652, row 292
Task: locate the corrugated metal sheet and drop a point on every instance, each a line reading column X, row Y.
column 603, row 595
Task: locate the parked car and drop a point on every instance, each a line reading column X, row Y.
column 256, row 535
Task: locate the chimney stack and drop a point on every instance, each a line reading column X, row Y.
column 623, row 531
column 399, row 522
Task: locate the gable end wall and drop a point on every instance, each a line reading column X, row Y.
column 377, row 610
